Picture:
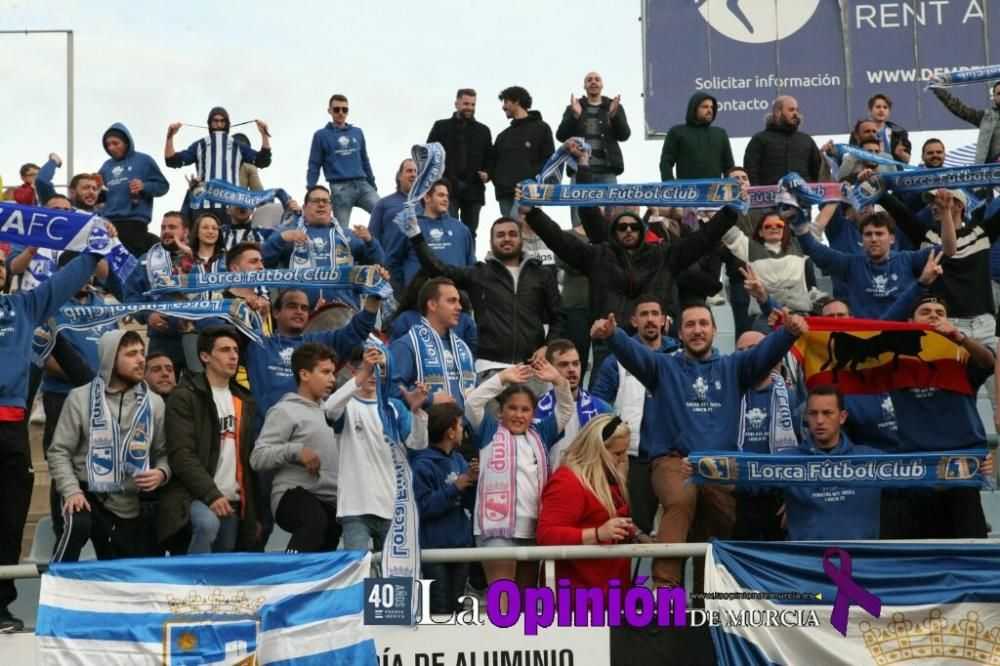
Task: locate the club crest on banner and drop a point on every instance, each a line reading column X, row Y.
column 955, row 468
column 215, row 629
column 904, row 640
column 722, row 468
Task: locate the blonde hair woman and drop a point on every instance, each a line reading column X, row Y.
column 586, row 502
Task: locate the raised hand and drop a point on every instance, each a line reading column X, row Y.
column 796, row 325
column 615, row 103
column 173, row 128
column 516, row 374
column 753, row 284
column 361, row 231
column 604, row 328
column 932, row 269
column 574, row 104
column 415, row 399
column 545, row 371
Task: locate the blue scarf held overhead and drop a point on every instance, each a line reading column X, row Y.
column 429, row 158
column 813, row 194
column 363, row 279
column 868, row 156
column 86, row 317
column 676, row 193
column 64, row 230
column 552, row 170
column 964, row 77
column 977, row 175
column 219, row 191
column 884, row 470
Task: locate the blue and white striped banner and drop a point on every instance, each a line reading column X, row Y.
column 964, row 77
column 681, row 193
column 897, row 602
column 295, row 610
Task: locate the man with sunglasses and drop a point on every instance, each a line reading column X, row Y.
column 340, row 149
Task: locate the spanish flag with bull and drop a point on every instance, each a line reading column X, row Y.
column 869, row 356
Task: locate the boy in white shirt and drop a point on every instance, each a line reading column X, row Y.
column 367, row 484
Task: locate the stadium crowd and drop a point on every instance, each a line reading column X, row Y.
column 511, row 441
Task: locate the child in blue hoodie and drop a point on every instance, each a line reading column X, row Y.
column 445, row 488
column 132, row 180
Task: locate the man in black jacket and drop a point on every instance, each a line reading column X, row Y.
column 519, row 151
column 620, row 266
column 781, row 147
column 513, row 296
column 467, row 145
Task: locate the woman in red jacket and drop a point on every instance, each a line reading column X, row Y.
column 586, row 502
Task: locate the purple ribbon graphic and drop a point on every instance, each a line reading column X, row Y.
column 847, row 590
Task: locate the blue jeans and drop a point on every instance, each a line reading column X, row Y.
column 358, row 529
column 347, row 194
column 598, row 178
column 211, row 534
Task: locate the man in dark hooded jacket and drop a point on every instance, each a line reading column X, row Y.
column 781, row 147
column 698, row 149
column 623, row 268
column 521, row 150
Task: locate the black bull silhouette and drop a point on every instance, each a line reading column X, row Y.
column 844, row 349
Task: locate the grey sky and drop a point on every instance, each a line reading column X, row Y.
column 149, row 64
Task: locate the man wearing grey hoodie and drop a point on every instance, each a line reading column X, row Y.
column 109, row 519
column 298, row 444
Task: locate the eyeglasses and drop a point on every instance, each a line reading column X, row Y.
column 630, row 227
column 778, row 224
column 319, row 202
column 339, row 109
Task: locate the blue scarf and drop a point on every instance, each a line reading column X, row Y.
column 86, row 317
column 110, row 455
column 64, row 230
column 159, row 264
column 428, row 349
column 866, row 156
column 429, row 158
column 977, row 175
column 814, row 194
column 401, row 552
column 676, row 193
column 363, row 279
column 586, row 408
column 219, row 191
column 781, row 434
column 883, row 470
column 552, row 170
column 965, row 77
column 40, row 269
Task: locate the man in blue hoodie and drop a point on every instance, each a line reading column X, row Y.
column 340, row 149
column 449, row 238
column 830, row 513
column 696, row 395
column 132, row 180
column 623, row 390
column 444, row 486
column 20, row 313
column 874, row 279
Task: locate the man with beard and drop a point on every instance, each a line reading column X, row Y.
column 107, row 511
column 519, row 151
column 83, row 188
column 164, row 332
column 160, row 374
column 781, row 147
column 697, row 400
column 620, row 388
column 468, row 145
column 382, row 228
column 513, row 297
column 564, row 357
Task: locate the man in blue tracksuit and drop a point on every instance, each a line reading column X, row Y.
column 132, row 180
column 340, row 149
column 623, row 390
column 20, row 313
column 830, row 513
column 696, row 395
